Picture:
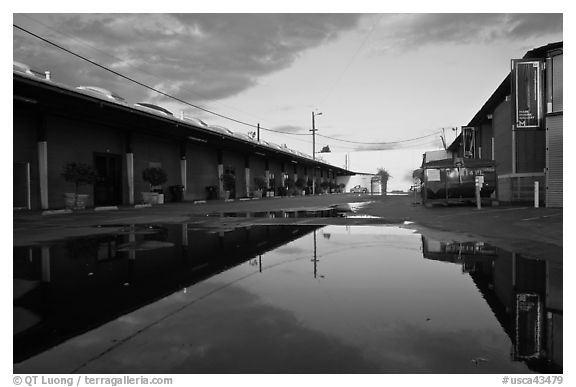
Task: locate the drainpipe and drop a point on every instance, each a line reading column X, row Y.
column 267, row 173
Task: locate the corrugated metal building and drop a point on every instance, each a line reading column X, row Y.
column 520, row 128
column 55, row 124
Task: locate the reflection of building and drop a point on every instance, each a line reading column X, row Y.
column 524, row 294
column 65, row 289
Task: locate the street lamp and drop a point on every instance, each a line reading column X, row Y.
column 313, row 130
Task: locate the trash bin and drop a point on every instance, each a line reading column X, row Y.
column 177, row 192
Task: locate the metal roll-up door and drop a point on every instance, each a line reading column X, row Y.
column 554, row 161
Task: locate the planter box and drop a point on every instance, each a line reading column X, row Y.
column 150, row 197
column 75, row 202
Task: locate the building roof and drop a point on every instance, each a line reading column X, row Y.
column 35, row 90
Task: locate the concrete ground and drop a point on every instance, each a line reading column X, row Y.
column 536, row 232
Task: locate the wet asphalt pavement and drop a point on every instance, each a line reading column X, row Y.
column 533, row 231
column 363, row 284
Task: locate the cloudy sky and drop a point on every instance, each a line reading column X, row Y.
column 376, row 78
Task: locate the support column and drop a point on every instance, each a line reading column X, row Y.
column 183, row 165
column 267, row 173
column 129, row 167
column 247, row 174
column 130, row 176
column 331, row 180
column 282, row 178
column 314, row 180
column 220, row 175
column 295, row 172
column 42, row 144
column 43, row 172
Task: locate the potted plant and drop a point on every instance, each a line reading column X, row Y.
column 155, row 177
column 324, row 185
column 300, row 185
column 288, row 186
column 260, row 184
column 79, row 174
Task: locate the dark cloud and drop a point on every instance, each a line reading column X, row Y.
column 290, row 129
column 199, row 57
column 414, row 30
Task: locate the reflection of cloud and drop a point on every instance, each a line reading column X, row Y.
column 204, row 56
column 291, row 250
column 418, row 349
column 415, row 30
column 231, row 332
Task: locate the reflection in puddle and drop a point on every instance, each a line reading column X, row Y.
column 304, row 213
column 524, row 294
column 178, row 299
column 348, row 210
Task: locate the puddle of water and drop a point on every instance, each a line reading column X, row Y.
column 305, row 213
column 283, row 299
column 348, row 210
column 359, row 216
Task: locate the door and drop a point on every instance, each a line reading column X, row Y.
column 21, row 185
column 108, row 187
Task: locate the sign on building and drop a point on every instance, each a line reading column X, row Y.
column 469, row 141
column 528, row 92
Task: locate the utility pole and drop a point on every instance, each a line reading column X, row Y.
column 313, row 130
column 258, row 132
column 315, row 259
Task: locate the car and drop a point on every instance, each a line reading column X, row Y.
column 359, row 189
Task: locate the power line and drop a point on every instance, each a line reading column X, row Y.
column 379, row 143
column 85, row 44
column 143, row 84
column 195, row 106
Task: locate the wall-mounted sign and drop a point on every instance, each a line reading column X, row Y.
column 528, row 91
column 433, row 174
column 469, row 141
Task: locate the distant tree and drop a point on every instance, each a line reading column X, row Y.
column 326, row 149
column 385, row 176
